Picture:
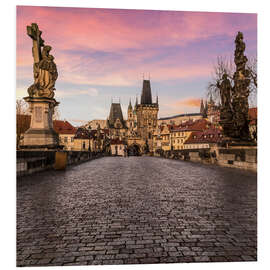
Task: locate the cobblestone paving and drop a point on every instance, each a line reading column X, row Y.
column 136, row 210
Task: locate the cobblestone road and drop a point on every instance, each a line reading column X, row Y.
column 136, row 210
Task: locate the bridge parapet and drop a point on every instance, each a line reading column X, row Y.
column 235, row 157
column 29, row 162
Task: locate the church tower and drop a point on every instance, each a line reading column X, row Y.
column 130, row 114
column 130, row 117
column 147, row 114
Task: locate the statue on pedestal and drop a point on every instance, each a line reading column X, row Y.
column 234, row 99
column 41, row 134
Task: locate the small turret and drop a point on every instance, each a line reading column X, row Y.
column 129, row 106
column 130, row 114
column 202, row 107
column 206, row 106
column 136, row 105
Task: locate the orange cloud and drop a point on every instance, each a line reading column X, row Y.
column 188, row 102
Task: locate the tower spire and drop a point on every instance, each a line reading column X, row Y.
column 146, row 97
column 202, row 107
column 129, row 105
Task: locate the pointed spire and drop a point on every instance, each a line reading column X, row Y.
column 202, row 107
column 136, row 103
column 157, row 99
column 129, row 105
column 146, row 97
column 115, row 112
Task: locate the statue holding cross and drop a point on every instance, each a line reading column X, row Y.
column 44, row 68
column 42, row 103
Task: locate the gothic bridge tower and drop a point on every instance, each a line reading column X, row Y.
column 147, row 115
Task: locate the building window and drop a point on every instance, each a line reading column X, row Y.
column 65, row 139
column 72, row 139
column 83, row 145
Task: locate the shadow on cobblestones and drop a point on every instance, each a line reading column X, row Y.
column 136, row 210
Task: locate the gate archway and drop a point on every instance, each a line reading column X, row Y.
column 134, row 150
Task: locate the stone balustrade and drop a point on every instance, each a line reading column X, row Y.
column 29, row 162
column 241, row 158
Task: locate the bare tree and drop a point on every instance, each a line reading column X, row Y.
column 22, row 120
column 252, row 67
column 21, row 107
column 56, row 114
column 223, row 66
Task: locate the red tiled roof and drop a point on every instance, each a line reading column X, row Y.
column 206, row 136
column 200, row 124
column 63, row 127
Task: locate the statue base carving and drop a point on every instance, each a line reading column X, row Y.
column 41, row 134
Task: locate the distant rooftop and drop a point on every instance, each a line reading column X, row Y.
column 115, row 113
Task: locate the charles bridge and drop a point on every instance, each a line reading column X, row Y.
column 116, row 210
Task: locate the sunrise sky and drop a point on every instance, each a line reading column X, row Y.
column 102, row 54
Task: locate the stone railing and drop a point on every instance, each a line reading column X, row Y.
column 29, row 162
column 242, row 158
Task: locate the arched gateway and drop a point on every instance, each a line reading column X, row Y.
column 134, row 150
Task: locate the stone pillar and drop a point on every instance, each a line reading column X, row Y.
column 41, row 134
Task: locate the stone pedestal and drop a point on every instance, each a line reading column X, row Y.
column 41, row 134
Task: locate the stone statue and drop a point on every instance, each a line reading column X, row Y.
column 44, row 68
column 225, row 91
column 234, row 99
column 41, row 134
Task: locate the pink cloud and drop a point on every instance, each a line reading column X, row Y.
column 135, row 35
column 105, row 29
